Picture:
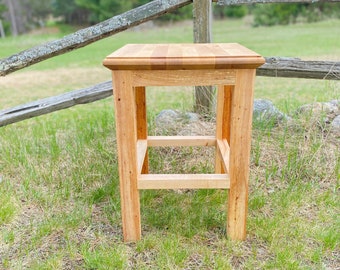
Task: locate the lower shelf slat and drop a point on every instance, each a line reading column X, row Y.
column 183, row 181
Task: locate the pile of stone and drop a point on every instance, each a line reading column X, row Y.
column 180, row 123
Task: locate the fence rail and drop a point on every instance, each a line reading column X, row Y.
column 249, row 2
column 274, row 67
column 296, row 68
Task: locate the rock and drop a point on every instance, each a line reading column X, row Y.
column 167, row 118
column 264, row 110
column 321, row 112
column 335, row 102
column 192, row 117
column 172, row 117
column 172, row 121
column 317, row 108
column 199, row 128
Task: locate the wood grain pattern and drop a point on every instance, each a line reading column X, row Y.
column 126, row 131
column 240, row 139
column 183, row 56
column 183, row 181
column 183, row 77
column 223, row 117
column 142, row 148
column 223, row 154
column 142, row 125
column 181, row 141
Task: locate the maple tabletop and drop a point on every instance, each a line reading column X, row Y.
column 183, row 56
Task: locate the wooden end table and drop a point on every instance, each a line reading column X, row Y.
column 232, row 68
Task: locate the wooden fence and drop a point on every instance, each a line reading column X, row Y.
column 274, row 66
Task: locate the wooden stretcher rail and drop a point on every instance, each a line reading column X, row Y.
column 183, row 181
column 181, row 141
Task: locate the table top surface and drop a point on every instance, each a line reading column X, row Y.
column 182, row 56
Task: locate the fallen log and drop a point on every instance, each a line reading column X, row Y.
column 274, row 67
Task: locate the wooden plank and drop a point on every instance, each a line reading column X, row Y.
column 183, row 77
column 241, row 2
column 183, row 181
column 89, row 35
column 154, row 141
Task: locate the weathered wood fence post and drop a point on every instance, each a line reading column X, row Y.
column 202, row 17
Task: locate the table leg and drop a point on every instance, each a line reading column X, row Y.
column 126, row 130
column 240, row 142
column 142, row 127
column 223, row 110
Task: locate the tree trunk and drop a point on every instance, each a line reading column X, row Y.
column 14, row 26
column 2, row 31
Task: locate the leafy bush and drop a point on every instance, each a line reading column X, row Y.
column 183, row 13
column 284, row 13
column 272, row 14
column 221, row 12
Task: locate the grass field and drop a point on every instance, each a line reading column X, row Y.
column 59, row 194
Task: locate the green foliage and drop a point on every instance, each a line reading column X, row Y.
column 3, row 8
column 70, row 12
column 221, row 12
column 284, row 13
column 273, row 14
column 177, row 15
column 94, row 11
column 103, row 9
column 37, row 11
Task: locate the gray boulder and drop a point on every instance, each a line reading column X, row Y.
column 335, row 124
column 264, row 110
column 173, row 117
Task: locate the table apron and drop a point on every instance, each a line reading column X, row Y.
column 183, row 77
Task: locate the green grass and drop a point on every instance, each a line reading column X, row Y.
column 59, row 190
